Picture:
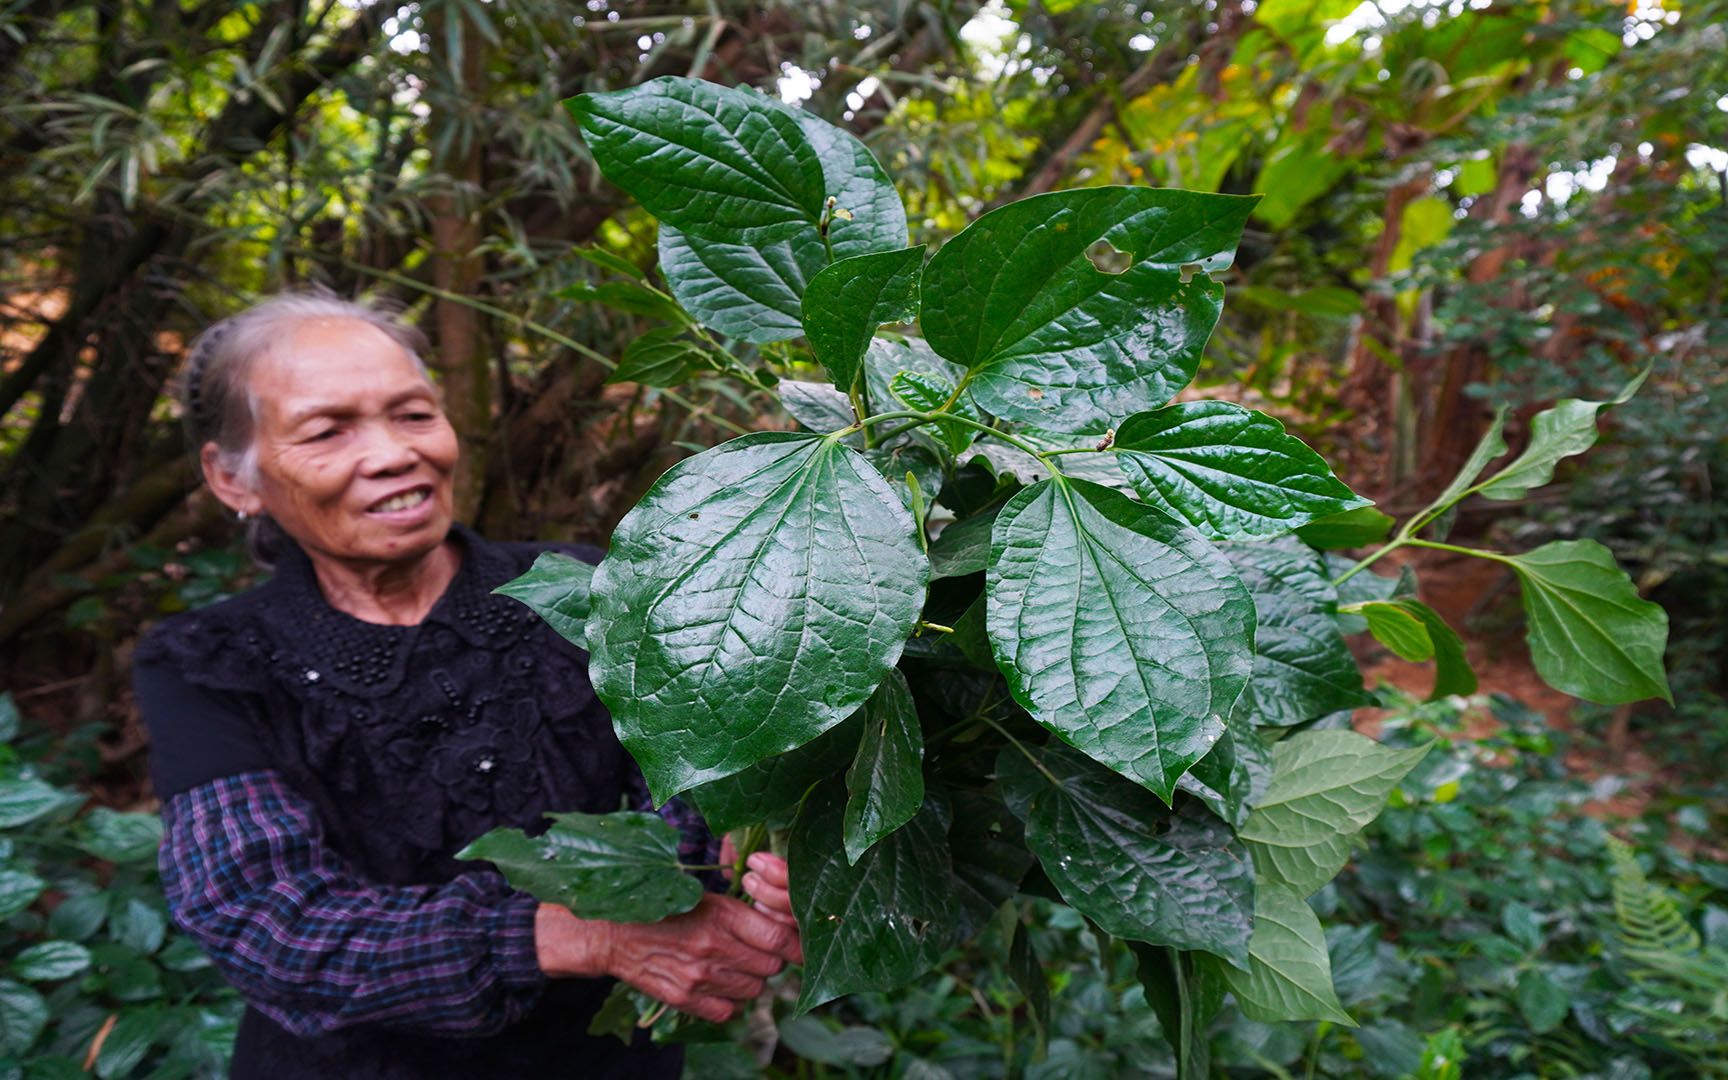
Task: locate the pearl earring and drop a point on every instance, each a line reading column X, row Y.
column 241, row 516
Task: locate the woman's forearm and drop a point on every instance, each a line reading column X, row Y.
column 317, row 948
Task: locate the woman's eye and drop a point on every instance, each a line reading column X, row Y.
column 418, row 417
column 322, row 435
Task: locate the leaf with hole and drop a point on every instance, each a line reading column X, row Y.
column 753, row 599
column 620, row 867
column 1229, row 471
column 1118, row 628
column 1055, row 342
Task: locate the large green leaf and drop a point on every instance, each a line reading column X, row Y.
column 1136, row 868
column 714, row 161
column 753, row 292
column 1054, row 341
column 1230, row 471
column 1566, row 429
column 886, row 781
column 1591, row 634
column 1289, row 974
column 556, row 588
column 620, row 867
column 1117, row 627
column 817, row 406
column 876, row 925
column 1302, row 667
column 771, row 789
column 1326, row 787
column 850, row 298
column 753, row 599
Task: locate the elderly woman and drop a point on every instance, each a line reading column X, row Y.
column 325, row 743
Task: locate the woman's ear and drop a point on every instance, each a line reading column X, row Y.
column 227, row 485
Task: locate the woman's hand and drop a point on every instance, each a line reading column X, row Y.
column 766, row 882
column 707, row 961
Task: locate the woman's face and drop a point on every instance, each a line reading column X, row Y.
column 356, row 459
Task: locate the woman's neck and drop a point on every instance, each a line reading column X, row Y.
column 393, row 593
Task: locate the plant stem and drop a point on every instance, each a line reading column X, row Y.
column 1018, row 745
column 1454, row 548
column 922, row 418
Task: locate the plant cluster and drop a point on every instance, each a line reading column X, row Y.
column 1006, row 618
column 95, row 980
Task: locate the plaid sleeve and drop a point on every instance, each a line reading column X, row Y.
column 315, row 947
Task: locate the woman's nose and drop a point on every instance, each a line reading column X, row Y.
column 386, row 450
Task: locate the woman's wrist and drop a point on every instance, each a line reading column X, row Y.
column 569, row 947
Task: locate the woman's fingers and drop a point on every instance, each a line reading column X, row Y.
column 769, row 900
column 760, row 931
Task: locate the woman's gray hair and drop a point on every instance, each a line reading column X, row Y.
column 216, row 399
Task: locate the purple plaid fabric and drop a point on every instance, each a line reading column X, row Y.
column 317, row 948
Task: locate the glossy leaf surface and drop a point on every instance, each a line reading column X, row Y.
column 770, row 790
column 1233, row 777
column 850, row 298
column 1056, row 342
column 1591, row 634
column 1302, row 667
column 875, row 925
column 1351, row 529
column 754, row 291
column 1117, row 627
column 556, row 588
column 619, row 867
column 713, row 161
column 1133, row 866
column 1229, row 471
column 753, row 599
column 1326, row 787
column 886, row 780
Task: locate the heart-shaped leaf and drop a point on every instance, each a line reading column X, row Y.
column 1229, row 471
column 714, row 161
column 754, row 291
column 1591, row 634
column 1136, row 868
column 1118, row 628
column 1289, row 974
column 753, row 599
column 1054, row 341
column 850, row 298
column 619, row 867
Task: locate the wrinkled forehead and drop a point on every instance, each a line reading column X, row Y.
column 332, row 365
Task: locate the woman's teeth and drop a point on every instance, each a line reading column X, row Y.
column 401, row 502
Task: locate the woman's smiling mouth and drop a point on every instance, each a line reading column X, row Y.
column 402, row 504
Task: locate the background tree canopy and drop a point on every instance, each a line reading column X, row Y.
column 1467, row 205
